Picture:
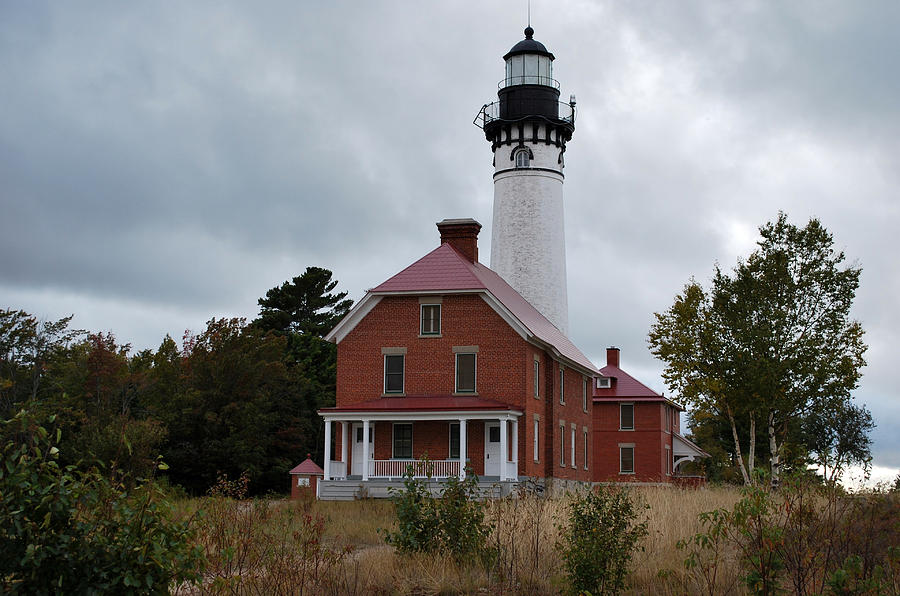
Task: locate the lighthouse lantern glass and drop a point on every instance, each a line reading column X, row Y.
column 529, row 69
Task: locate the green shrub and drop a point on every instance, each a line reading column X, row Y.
column 452, row 524
column 601, row 536
column 64, row 530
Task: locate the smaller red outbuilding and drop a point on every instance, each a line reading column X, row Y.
column 305, row 478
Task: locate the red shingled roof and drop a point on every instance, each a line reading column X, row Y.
column 626, row 386
column 420, row 403
column 308, row 467
column 445, row 269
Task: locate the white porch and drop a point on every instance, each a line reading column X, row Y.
column 356, row 448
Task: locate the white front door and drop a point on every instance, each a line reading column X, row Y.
column 492, row 459
column 357, row 434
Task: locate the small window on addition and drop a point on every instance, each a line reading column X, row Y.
column 431, row 319
column 523, row 160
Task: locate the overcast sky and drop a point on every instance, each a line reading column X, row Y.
column 165, row 163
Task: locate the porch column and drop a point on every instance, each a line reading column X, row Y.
column 504, row 449
column 345, row 441
column 462, row 448
column 326, row 465
column 515, row 445
column 365, row 451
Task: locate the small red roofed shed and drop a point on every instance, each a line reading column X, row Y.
column 305, row 478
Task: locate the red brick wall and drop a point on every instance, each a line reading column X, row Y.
column 430, row 363
column 505, row 372
column 649, row 438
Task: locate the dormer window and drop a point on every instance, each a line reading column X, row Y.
column 523, row 159
column 602, row 382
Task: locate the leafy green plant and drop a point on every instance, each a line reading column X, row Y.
column 454, row 523
column 604, row 529
column 65, row 530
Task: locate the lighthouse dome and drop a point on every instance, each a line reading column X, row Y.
column 529, row 45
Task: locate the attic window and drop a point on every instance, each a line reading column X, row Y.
column 431, row 319
column 603, row 383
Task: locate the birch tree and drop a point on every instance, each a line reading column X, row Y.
column 772, row 340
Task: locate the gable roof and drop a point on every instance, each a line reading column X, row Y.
column 308, row 467
column 626, row 386
column 445, row 270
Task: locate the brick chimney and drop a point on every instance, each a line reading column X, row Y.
column 612, row 356
column 461, row 234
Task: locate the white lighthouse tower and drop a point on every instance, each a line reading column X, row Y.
column 528, row 129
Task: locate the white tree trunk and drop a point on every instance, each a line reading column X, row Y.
column 751, row 459
column 737, row 446
column 773, row 450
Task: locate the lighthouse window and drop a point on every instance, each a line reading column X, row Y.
column 522, row 159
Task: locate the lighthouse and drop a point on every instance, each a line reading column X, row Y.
column 528, row 128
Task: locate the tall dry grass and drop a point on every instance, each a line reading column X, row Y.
column 338, row 548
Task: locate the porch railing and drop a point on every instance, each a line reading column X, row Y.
column 396, row 468
column 338, row 469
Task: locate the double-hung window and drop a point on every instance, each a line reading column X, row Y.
column 431, row 319
column 562, row 443
column 393, row 373
column 537, row 379
column 626, row 417
column 584, row 394
column 466, row 373
column 454, row 440
column 402, row 442
column 626, row 459
column 562, row 385
column 572, row 446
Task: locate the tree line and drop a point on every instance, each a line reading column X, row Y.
column 236, row 397
column 766, row 357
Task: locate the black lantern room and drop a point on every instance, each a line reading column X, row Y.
column 528, row 91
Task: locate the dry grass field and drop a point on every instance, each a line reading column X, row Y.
column 291, row 547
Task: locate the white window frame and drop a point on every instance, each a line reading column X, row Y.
column 537, row 434
column 623, row 446
column 572, row 446
column 474, row 390
column 422, row 320
column 603, row 383
column 584, row 394
column 562, row 385
column 669, row 465
column 537, row 376
column 526, row 158
column 562, row 443
column 584, row 433
column 402, row 374
column 622, row 405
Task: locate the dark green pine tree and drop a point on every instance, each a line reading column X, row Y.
column 304, row 305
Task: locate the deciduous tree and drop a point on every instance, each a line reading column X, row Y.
column 773, row 340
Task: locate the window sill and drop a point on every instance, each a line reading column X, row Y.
column 401, row 394
column 626, row 430
column 626, row 473
column 465, row 394
column 425, row 335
